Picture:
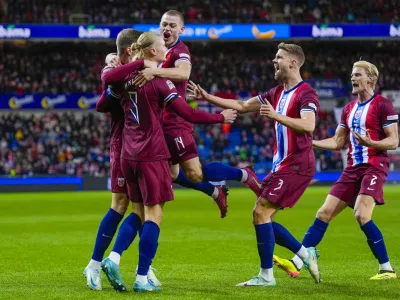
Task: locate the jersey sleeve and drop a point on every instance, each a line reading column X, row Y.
column 388, row 114
column 167, row 90
column 309, row 102
column 267, row 96
column 181, row 54
column 343, row 118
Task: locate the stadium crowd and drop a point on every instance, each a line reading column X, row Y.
column 77, row 144
column 208, row 11
column 76, row 67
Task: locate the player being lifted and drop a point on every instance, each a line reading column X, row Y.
column 133, row 223
column 293, row 107
column 145, row 154
column 370, row 124
column 179, row 132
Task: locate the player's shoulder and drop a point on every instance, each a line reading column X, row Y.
column 163, row 82
column 306, row 90
column 106, row 68
column 383, row 100
column 349, row 106
column 181, row 49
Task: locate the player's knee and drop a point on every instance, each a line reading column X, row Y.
column 194, row 175
column 324, row 214
column 260, row 215
column 361, row 217
column 120, row 204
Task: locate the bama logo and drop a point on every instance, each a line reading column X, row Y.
column 48, row 102
column 326, row 31
column 91, row 32
column 16, row 103
column 85, row 103
column 394, row 31
column 214, row 33
column 11, row 32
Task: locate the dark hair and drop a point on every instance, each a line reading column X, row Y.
column 126, row 38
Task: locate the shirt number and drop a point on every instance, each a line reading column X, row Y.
column 134, row 110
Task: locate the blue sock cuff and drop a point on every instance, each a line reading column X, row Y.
column 114, row 214
column 152, row 224
column 263, row 226
column 367, row 225
column 135, row 219
column 320, row 224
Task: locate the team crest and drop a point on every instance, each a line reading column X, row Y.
column 121, row 182
column 282, row 104
column 358, row 114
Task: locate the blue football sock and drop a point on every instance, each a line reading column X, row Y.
column 218, row 172
column 315, row 233
column 108, row 227
column 375, row 241
column 265, row 244
column 285, row 239
column 127, row 233
column 147, row 246
column 205, row 187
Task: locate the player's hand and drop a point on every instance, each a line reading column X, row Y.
column 113, row 60
column 363, row 140
column 193, row 92
column 268, row 111
column 230, row 115
column 143, row 77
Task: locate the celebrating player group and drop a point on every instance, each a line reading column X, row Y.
column 152, row 145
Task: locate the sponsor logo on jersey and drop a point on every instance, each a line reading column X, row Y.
column 11, row 32
column 49, row 102
column 91, row 32
column 326, row 31
column 16, row 103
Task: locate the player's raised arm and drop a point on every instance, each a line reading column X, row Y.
column 112, row 75
column 251, row 105
column 106, row 101
column 334, row 143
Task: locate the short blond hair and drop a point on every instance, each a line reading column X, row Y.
column 370, row 69
column 144, row 41
column 295, row 50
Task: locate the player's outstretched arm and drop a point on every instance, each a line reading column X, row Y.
column 106, row 100
column 251, row 105
column 334, row 143
column 197, row 116
column 391, row 142
column 113, row 75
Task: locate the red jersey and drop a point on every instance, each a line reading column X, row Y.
column 177, row 53
column 373, row 115
column 117, row 114
column 143, row 135
column 293, row 151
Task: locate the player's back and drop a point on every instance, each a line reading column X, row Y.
column 143, row 136
column 293, row 151
column 116, row 112
column 372, row 116
column 177, row 53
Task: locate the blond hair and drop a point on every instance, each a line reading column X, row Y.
column 144, row 41
column 295, row 50
column 126, row 37
column 370, row 69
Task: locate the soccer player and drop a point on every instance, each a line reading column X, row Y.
column 293, row 107
column 119, row 202
column 145, row 154
column 133, row 223
column 179, row 132
column 370, row 124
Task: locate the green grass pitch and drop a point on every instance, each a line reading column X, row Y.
column 47, row 239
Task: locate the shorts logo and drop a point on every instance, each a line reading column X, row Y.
column 121, row 182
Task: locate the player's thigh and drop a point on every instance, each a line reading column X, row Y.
column 119, row 202
column 192, row 169
column 154, row 213
column 138, row 209
column 174, row 169
column 264, row 211
column 364, row 208
column 331, row 208
column 347, row 187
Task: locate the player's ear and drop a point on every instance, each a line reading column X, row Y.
column 129, row 51
column 182, row 29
